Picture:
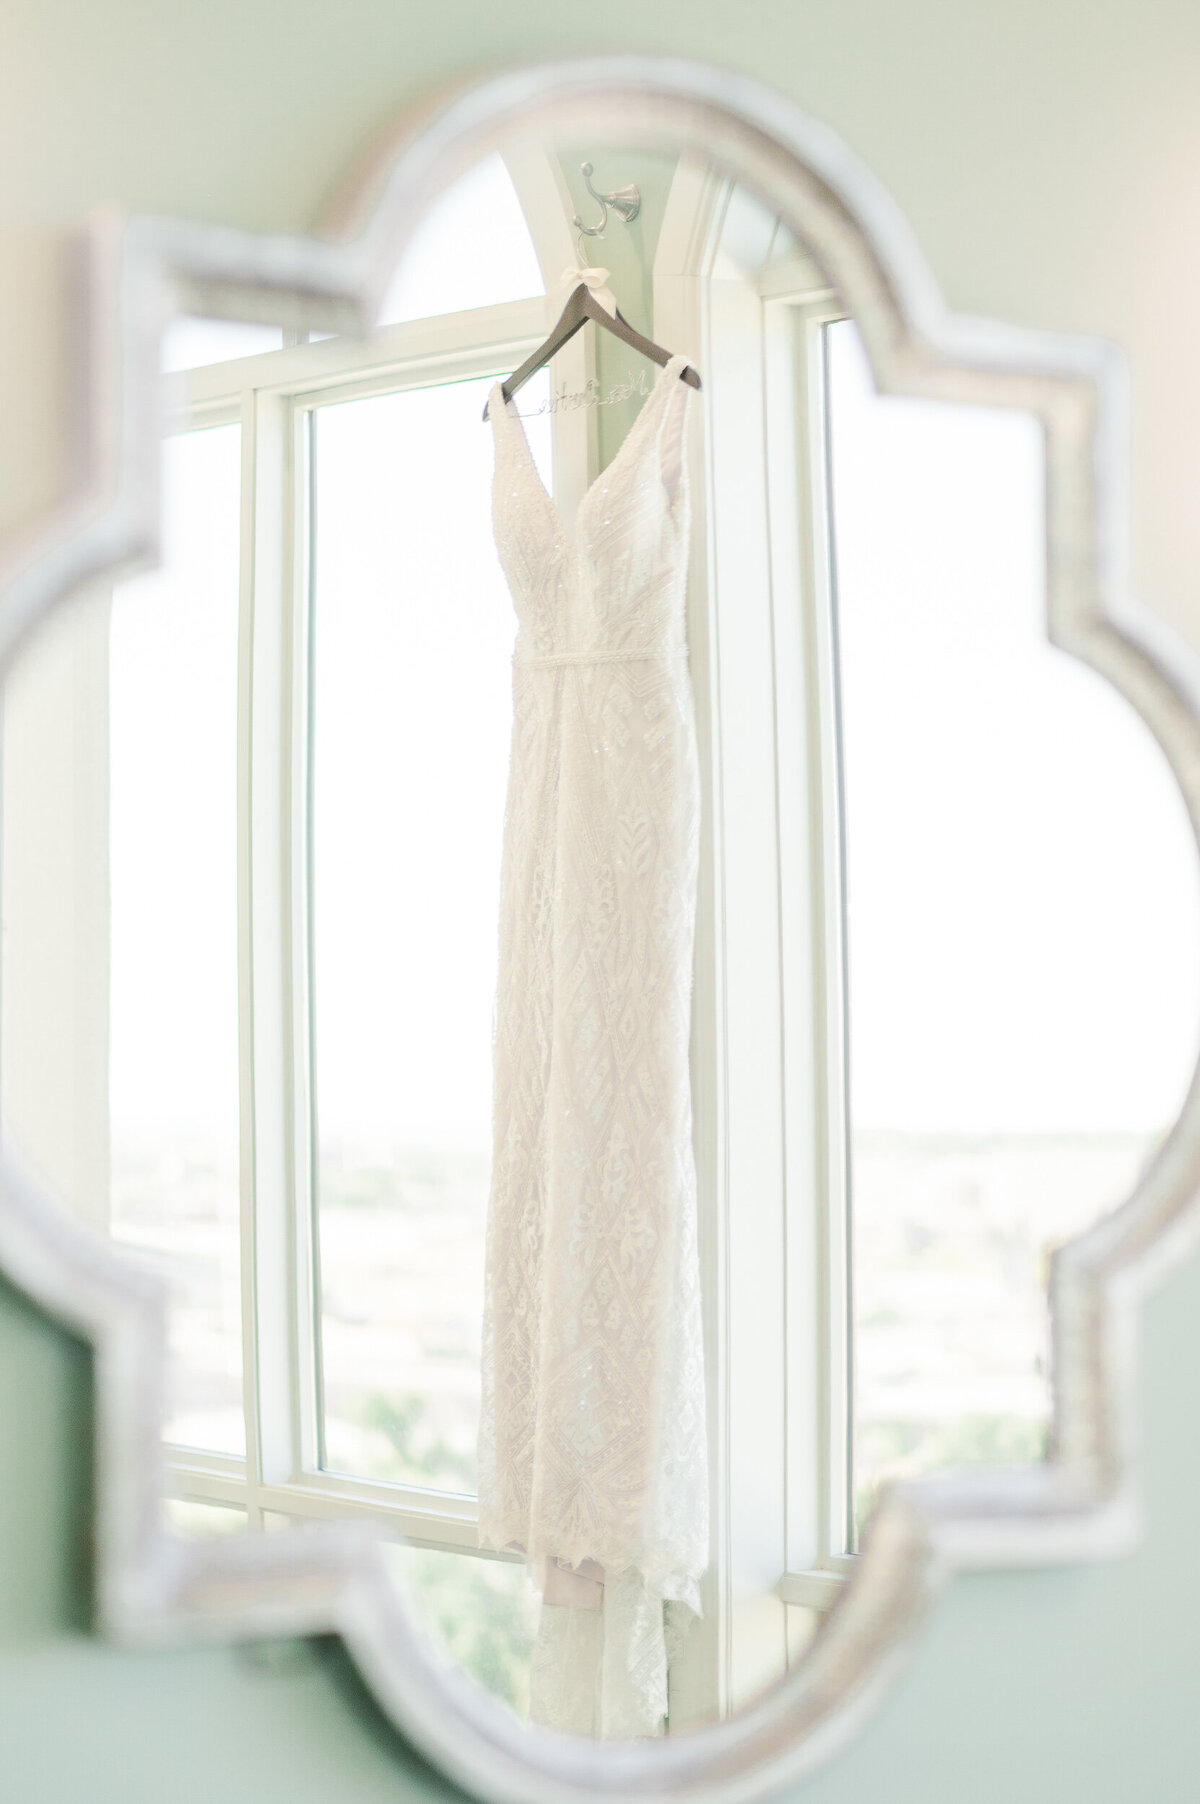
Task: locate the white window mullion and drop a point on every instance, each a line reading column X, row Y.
column 246, row 1137
column 756, row 1636
column 790, row 478
column 813, row 975
column 270, row 1301
column 837, row 1532
column 305, row 1226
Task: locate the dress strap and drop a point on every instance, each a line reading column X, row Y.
column 672, row 461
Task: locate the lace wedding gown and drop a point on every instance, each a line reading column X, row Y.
column 592, row 1454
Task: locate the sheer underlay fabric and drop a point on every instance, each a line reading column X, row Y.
column 592, row 1456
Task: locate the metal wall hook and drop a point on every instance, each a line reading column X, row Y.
column 625, row 202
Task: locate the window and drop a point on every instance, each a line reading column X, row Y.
column 916, row 1069
column 279, row 762
column 331, row 603
column 1006, row 826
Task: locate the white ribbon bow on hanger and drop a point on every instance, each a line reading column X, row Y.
column 593, row 279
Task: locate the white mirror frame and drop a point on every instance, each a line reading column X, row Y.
column 152, row 1586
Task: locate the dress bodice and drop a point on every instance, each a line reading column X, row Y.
column 615, row 587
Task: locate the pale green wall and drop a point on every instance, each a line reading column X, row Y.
column 1048, row 154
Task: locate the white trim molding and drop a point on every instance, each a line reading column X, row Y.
column 1079, row 1504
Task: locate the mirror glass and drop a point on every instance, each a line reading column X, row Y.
column 266, row 1015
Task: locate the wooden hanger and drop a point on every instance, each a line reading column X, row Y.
column 582, row 306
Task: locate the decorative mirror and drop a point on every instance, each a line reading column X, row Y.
column 772, row 1156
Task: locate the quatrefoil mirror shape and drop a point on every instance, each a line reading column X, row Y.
column 153, row 1586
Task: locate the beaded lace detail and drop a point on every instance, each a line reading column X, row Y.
column 592, row 1436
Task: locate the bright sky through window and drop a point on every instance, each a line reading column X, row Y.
column 1022, row 884
column 413, row 636
column 1021, row 887
column 473, row 249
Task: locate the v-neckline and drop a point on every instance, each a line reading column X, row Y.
column 671, row 369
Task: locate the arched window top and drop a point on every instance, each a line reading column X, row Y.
column 474, row 249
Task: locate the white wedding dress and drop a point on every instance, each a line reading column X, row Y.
column 592, row 1456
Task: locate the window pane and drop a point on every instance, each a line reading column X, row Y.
column 413, row 633
column 173, row 1069
column 444, row 269
column 1021, row 889
column 484, row 1613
